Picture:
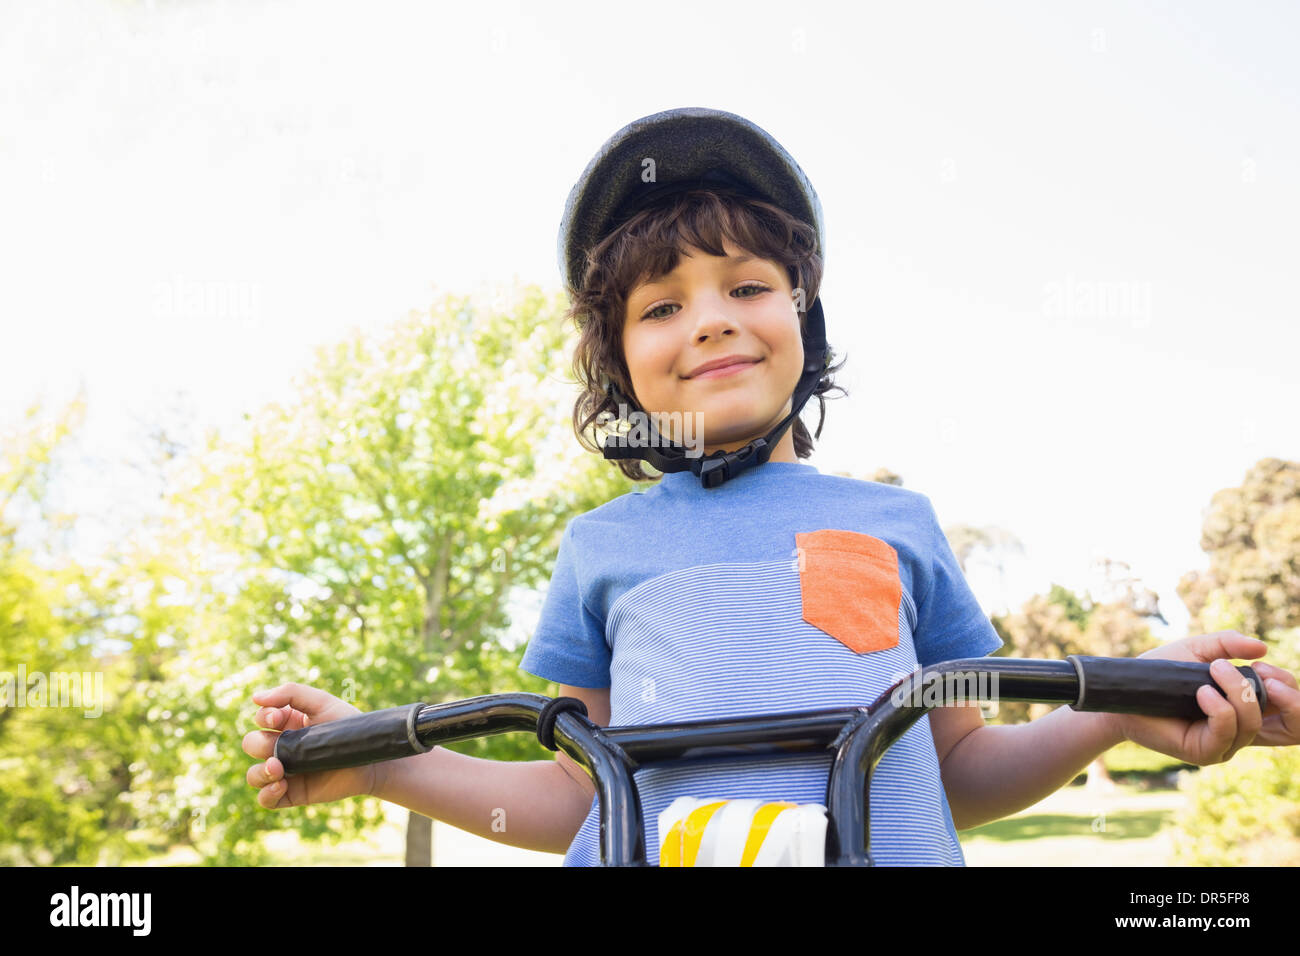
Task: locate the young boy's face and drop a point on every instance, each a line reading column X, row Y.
column 711, row 308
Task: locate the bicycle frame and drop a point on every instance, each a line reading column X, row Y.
column 858, row 736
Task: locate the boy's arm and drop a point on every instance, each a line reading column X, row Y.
column 990, row 772
column 597, row 701
column 536, row 805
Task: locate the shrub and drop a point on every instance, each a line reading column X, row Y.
column 1245, row 812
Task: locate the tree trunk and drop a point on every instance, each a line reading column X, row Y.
column 419, row 828
column 1098, row 779
column 419, row 839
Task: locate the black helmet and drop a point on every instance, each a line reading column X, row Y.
column 682, row 149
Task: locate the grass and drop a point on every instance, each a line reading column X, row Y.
column 1127, row 825
column 1124, row 826
column 1128, row 757
column 385, row 846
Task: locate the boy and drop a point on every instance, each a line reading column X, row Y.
column 744, row 581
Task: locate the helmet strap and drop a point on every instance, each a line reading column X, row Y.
column 721, row 466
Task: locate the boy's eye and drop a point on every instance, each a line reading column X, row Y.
column 758, row 288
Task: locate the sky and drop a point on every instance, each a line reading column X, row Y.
column 1060, row 239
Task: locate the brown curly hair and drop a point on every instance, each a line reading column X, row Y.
column 648, row 246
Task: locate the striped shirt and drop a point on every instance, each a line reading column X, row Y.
column 781, row 590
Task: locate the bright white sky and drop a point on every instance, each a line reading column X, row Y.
column 1062, row 240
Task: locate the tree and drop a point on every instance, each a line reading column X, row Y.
column 1252, row 536
column 967, row 540
column 884, row 476
column 66, row 711
column 1063, row 623
column 1244, row 811
column 368, row 538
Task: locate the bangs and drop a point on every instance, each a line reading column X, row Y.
column 701, row 221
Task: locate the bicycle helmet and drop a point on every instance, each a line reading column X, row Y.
column 691, row 147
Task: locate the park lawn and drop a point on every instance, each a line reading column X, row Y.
column 1127, row 756
column 385, row 846
column 1123, row 826
column 1127, row 826
column 1072, row 827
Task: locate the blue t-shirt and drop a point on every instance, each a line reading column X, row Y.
column 781, row 590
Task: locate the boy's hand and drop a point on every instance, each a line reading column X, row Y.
column 292, row 707
column 1229, row 724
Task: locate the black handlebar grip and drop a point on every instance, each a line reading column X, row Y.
column 1155, row 688
column 352, row 741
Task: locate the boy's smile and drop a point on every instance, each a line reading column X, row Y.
column 718, row 337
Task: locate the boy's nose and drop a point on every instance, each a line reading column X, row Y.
column 712, row 319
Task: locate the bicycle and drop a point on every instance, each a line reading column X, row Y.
column 858, row 736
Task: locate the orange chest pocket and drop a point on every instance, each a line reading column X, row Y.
column 850, row 588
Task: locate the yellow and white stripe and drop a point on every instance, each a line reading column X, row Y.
column 699, row 832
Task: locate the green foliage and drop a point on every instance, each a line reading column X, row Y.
column 1074, row 607
column 1251, row 534
column 65, row 773
column 1246, row 812
column 368, row 539
column 1128, row 757
column 66, row 707
column 372, row 537
column 1043, row 629
column 1061, row 623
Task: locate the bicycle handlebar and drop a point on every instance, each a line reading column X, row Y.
column 1155, row 688
column 353, row 741
column 1107, row 684
column 858, row 736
